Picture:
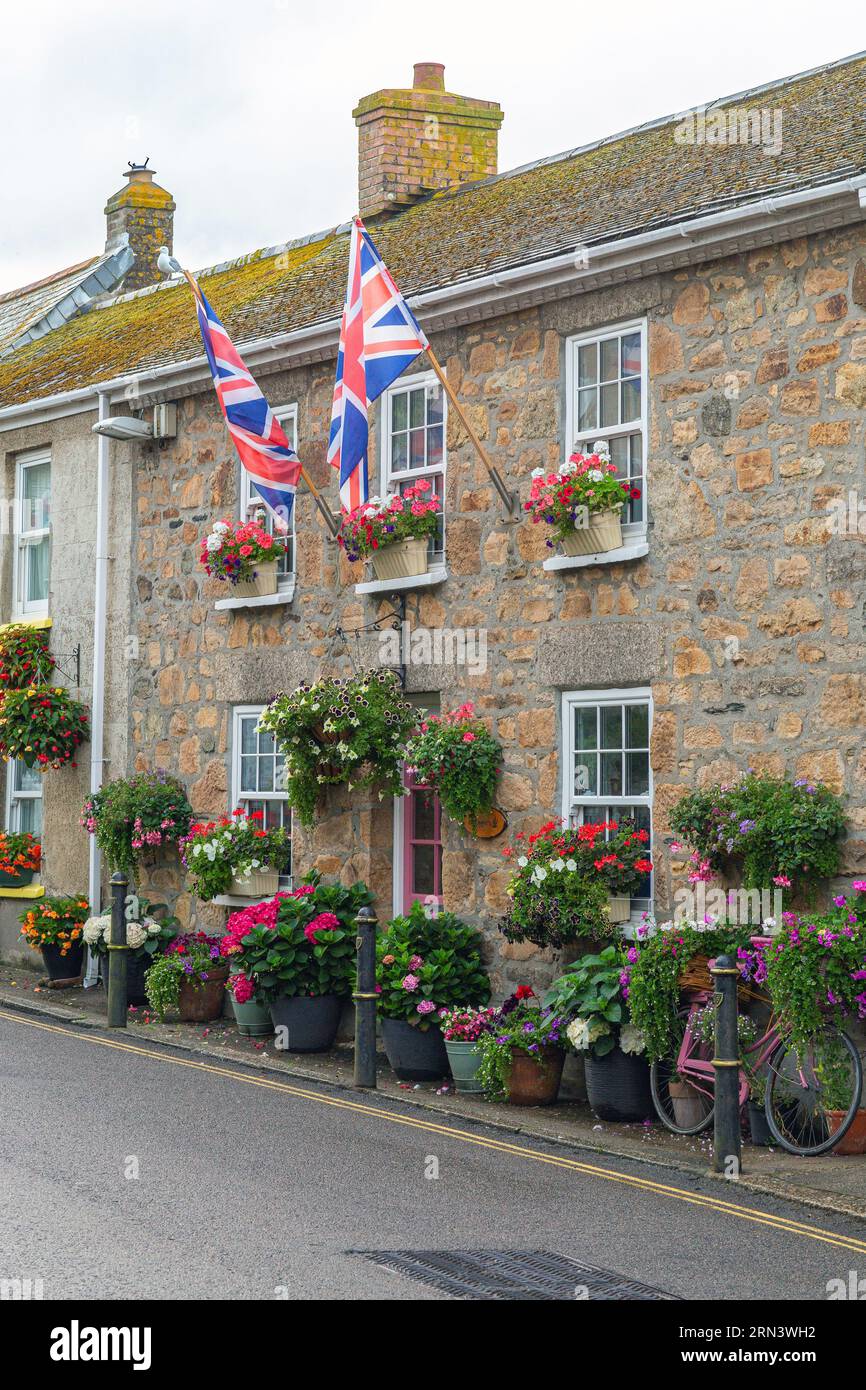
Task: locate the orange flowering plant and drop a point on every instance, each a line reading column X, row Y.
column 54, row 922
column 20, row 854
column 563, row 876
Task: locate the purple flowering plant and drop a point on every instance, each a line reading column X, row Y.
column 521, row 1024
column 194, row 957
column 816, row 967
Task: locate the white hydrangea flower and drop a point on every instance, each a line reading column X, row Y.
column 597, row 1028
column 577, row 1033
column 631, row 1039
column 136, row 935
column 95, row 928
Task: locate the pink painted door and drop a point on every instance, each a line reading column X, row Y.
column 422, row 846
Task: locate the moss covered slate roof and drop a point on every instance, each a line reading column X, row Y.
column 628, row 183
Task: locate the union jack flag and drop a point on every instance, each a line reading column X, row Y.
column 379, row 337
column 258, row 436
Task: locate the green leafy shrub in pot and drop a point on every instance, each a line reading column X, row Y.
column 588, row 997
column 426, row 964
column 306, row 946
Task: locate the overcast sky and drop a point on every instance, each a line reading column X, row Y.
column 245, row 109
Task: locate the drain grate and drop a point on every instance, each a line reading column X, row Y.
column 510, row 1274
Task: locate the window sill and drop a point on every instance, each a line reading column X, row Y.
column 437, row 574
column 26, row 621
column 632, row 551
column 33, row 890
column 283, row 595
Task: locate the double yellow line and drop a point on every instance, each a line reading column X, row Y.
column 712, row 1203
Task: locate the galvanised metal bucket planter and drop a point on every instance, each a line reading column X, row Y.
column 253, row 1020
column 464, row 1059
column 311, row 1023
column 401, row 560
column 604, row 532
column 618, row 1086
column 414, row 1055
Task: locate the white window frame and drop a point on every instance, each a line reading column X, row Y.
column 575, row 699
column 574, row 437
column 13, row 799
column 288, row 418
column 390, row 479
column 240, row 712
column 24, row 538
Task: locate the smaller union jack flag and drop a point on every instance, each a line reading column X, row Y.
column 258, row 436
column 379, row 337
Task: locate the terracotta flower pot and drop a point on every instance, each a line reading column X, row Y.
column 201, row 1001
column 854, row 1142
column 688, row 1104
column 530, row 1082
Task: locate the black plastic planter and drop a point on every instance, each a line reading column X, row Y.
column 136, row 966
column 413, row 1055
column 311, row 1023
column 758, row 1127
column 68, row 967
column 618, row 1086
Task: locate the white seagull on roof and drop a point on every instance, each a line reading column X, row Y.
column 167, row 263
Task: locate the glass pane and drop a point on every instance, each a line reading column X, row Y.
column 637, row 774
column 416, row 449
column 611, row 726
column 36, row 560
column 619, row 455
column 418, row 407
column 631, row 354
column 586, row 727
column 610, row 359
column 399, row 412
column 248, row 734
column 29, row 815
column 266, row 775
column 36, row 487
column 434, row 445
column 609, row 406
column 266, row 742
column 631, row 399
column 425, row 816
column 637, row 717
column 279, row 773
column 27, row 779
column 611, row 774
column 423, row 869
column 399, row 452
column 587, row 365
column 435, row 404
column 585, row 782
column 586, row 410
column 248, row 775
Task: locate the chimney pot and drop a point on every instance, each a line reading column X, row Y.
column 142, row 212
column 430, row 77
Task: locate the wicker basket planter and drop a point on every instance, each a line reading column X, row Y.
column 263, row 582
column 604, row 532
column 260, row 884
column 401, row 560
column 619, row 909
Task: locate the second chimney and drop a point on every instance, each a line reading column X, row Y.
column 415, row 141
column 145, row 213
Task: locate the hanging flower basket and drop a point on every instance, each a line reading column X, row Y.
column 41, row 726
column 459, row 758
column 351, row 731
column 24, row 657
column 134, row 817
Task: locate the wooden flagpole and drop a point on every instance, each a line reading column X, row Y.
column 328, row 516
column 509, row 500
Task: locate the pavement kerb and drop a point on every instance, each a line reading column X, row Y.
column 295, row 1071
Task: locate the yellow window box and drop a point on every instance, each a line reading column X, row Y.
column 27, row 622
column 33, row 890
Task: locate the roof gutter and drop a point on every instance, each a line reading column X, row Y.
column 584, row 269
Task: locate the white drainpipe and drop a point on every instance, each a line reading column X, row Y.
column 97, row 712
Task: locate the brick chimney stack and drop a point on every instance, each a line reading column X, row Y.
column 412, row 142
column 145, row 213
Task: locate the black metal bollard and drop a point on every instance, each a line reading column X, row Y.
column 727, row 1156
column 365, row 999
column 118, row 948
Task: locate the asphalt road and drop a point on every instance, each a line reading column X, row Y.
column 129, row 1171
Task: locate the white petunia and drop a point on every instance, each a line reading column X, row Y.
column 571, row 865
column 522, row 861
column 558, row 865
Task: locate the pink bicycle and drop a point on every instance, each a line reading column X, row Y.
column 810, row 1097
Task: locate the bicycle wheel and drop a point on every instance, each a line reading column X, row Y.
column 812, row 1099
column 690, row 1109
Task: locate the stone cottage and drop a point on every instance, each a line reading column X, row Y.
column 694, row 291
